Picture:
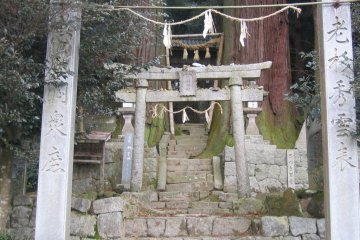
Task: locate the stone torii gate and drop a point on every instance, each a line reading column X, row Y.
column 341, row 167
column 188, row 77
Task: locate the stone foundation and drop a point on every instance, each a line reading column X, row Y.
column 116, row 218
column 267, row 167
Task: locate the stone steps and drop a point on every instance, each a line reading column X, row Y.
column 188, row 178
column 183, row 168
column 186, row 161
column 188, row 173
column 190, row 187
column 187, row 226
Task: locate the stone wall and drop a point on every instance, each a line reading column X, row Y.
column 151, row 158
column 267, row 167
column 117, row 218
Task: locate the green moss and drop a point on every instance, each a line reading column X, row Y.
column 177, row 130
column 281, row 130
column 156, row 130
column 286, row 205
column 97, row 235
column 118, row 128
column 229, row 141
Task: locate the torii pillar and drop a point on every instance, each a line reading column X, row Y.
column 139, row 142
column 237, row 113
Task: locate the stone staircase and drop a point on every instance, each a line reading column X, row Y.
column 189, row 208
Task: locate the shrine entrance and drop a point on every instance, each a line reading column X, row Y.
column 237, row 93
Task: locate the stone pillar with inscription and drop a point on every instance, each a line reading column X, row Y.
column 338, row 122
column 128, row 134
column 58, row 123
column 237, row 112
column 139, row 134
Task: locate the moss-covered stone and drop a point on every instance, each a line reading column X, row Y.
column 283, row 129
column 156, row 130
column 248, row 206
column 287, row 204
column 316, row 205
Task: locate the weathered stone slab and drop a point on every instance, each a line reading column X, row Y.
column 107, row 205
column 227, row 197
column 80, row 204
column 177, row 205
column 20, row 216
column 300, row 225
column 320, row 223
column 213, row 211
column 136, row 227
column 190, row 187
column 263, row 171
column 229, row 169
column 175, row 227
column 310, row 236
column 110, row 225
column 23, row 200
column 230, row 226
column 204, row 205
column 82, row 225
column 156, row 227
column 270, row 185
column 178, row 196
column 229, row 154
column 218, row 178
column 201, row 226
column 228, row 205
column 22, row 233
column 248, row 206
column 186, row 179
column 274, row 226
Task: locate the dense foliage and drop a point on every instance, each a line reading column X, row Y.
column 106, row 37
column 356, row 43
column 306, row 91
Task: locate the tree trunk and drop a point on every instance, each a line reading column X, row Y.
column 268, row 41
column 6, row 157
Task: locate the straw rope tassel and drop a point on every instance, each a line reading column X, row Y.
column 185, row 117
column 196, row 55
column 167, row 36
column 185, row 54
column 207, row 54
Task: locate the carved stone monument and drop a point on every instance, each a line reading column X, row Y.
column 128, row 133
column 58, row 124
column 338, row 122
